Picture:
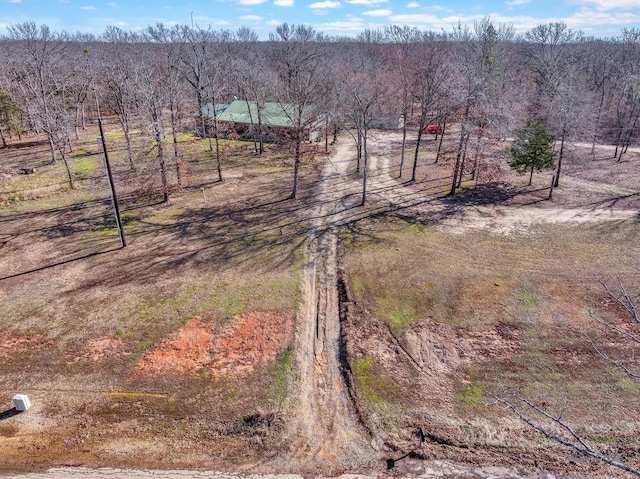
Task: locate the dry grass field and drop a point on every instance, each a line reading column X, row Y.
column 177, row 351
column 449, row 310
column 119, row 348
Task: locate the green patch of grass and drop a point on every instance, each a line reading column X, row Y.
column 397, row 311
column 401, row 318
column 122, row 333
column 604, row 439
column 254, row 242
column 527, row 298
column 85, row 165
column 371, row 386
column 417, row 228
column 473, row 397
column 280, row 371
column 114, row 135
column 358, row 287
column 183, row 137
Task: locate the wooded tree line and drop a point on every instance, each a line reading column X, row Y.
column 483, row 78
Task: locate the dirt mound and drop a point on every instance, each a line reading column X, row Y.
column 234, row 348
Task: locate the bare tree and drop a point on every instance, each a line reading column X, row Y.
column 119, row 72
column 481, row 62
column 554, row 59
column 298, row 57
column 35, row 74
column 253, row 80
column 169, row 39
column 201, row 67
column 627, row 92
column 431, row 74
column 153, row 101
column 363, row 83
column 403, row 40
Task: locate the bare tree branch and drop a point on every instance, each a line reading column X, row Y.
column 576, row 443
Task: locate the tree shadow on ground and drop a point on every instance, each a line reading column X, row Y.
column 486, row 194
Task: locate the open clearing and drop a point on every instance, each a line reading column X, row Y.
column 240, row 332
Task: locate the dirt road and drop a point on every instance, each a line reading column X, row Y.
column 324, row 432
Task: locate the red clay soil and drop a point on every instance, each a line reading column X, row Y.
column 101, row 348
column 10, row 344
column 233, row 349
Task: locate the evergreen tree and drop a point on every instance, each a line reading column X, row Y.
column 532, row 149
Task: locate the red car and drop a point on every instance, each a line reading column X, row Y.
column 432, row 129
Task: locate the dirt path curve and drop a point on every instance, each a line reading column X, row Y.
column 324, row 432
column 499, row 219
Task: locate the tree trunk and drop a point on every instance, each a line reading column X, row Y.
column 404, row 141
column 358, row 149
column 52, row 148
column 597, row 124
column 444, row 125
column 174, row 135
column 464, row 159
column 4, row 140
column 216, row 134
column 163, row 173
column 77, row 121
column 556, row 181
column 365, row 170
column 127, row 138
column 160, row 156
column 260, row 129
column 296, row 167
column 66, row 165
column 476, row 162
column 531, row 174
column 456, row 166
column 415, row 157
column 203, row 123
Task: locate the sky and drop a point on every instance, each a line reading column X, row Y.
column 600, row 18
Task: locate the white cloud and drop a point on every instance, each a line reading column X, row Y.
column 283, row 3
column 353, row 26
column 112, row 4
column 15, row 1
column 273, row 22
column 251, row 2
column 609, row 4
column 87, row 7
column 206, row 20
column 378, row 13
column 366, row 2
column 326, row 4
column 413, row 5
column 586, row 19
column 513, row 3
column 429, row 21
column 251, row 18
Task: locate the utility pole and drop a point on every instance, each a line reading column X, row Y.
column 114, row 198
